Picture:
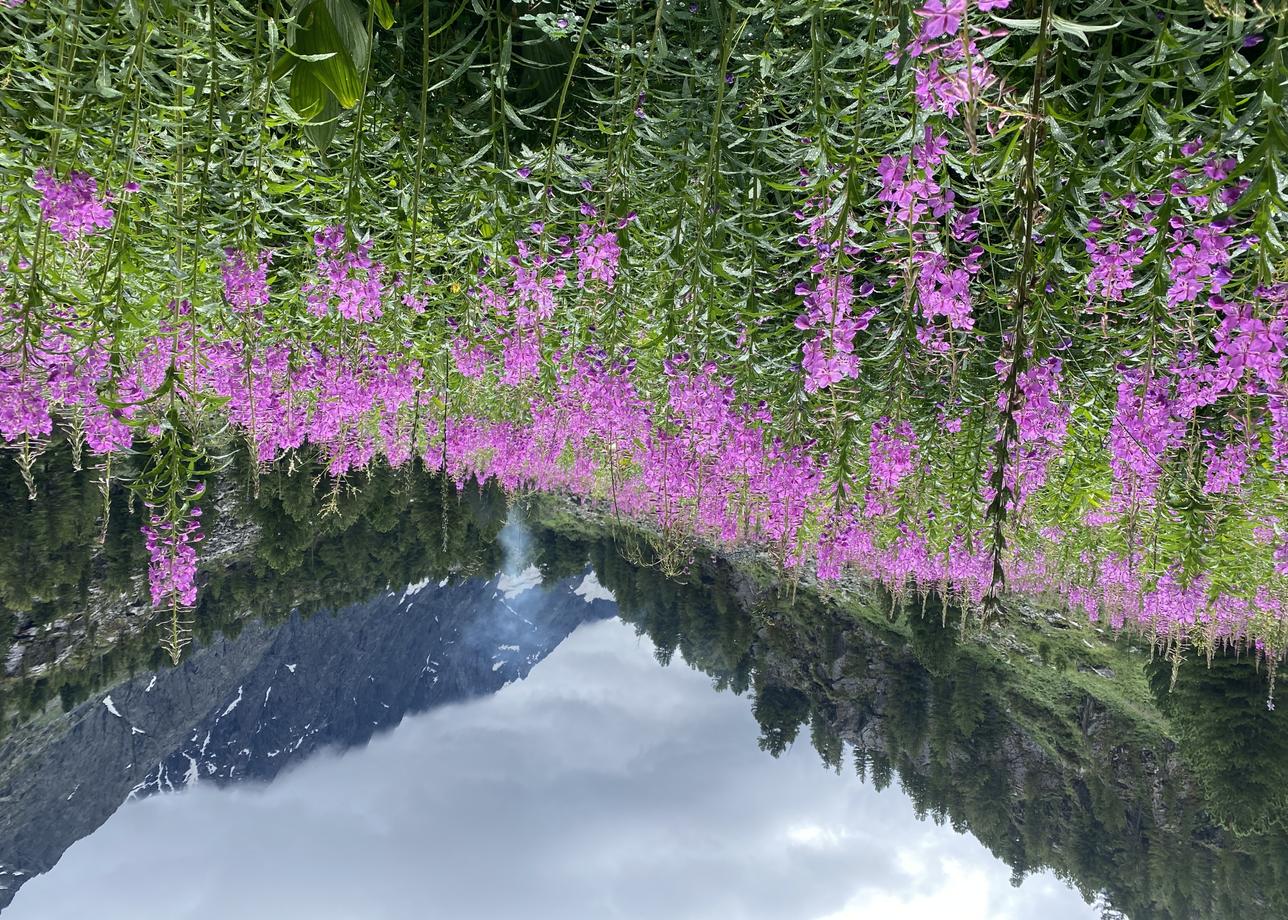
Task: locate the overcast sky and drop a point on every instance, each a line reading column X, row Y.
column 603, row 786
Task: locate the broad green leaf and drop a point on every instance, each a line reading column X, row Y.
column 317, row 35
column 384, row 13
column 351, row 25
column 308, row 94
column 321, row 130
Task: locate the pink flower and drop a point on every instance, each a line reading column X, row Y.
column 943, row 17
column 347, row 278
column 172, row 572
column 597, row 256
column 73, row 208
column 245, row 284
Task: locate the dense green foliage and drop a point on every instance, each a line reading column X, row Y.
column 743, row 157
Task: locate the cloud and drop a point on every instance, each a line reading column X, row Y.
column 603, row 786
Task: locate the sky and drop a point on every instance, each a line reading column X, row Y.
column 603, row 786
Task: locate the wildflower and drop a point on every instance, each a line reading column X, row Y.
column 245, row 284
column 73, row 208
column 942, row 17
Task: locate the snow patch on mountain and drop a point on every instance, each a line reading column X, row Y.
column 511, row 586
column 233, row 704
column 414, row 589
column 591, row 590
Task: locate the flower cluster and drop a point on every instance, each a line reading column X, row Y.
column 943, row 291
column 829, row 303
column 892, row 453
column 348, row 279
column 246, row 281
column 915, row 200
column 24, row 410
column 1145, row 431
column 597, row 256
column 909, row 186
column 1248, row 346
column 1042, row 424
column 73, row 208
column 829, row 357
column 62, row 373
column 1227, row 466
column 1115, row 245
column 172, row 549
column 952, row 71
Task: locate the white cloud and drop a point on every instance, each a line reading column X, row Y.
column 603, row 786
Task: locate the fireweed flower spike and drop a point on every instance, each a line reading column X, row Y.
column 172, row 548
column 347, row 278
column 246, row 281
column 73, row 208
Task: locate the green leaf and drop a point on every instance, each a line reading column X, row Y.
column 384, row 13
column 1079, row 31
column 1020, row 25
column 103, row 82
column 321, row 130
column 308, row 94
column 283, row 65
column 351, row 26
column 324, row 56
column 318, row 35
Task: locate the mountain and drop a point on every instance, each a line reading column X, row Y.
column 246, row 707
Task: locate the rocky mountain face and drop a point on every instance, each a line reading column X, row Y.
column 248, row 706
